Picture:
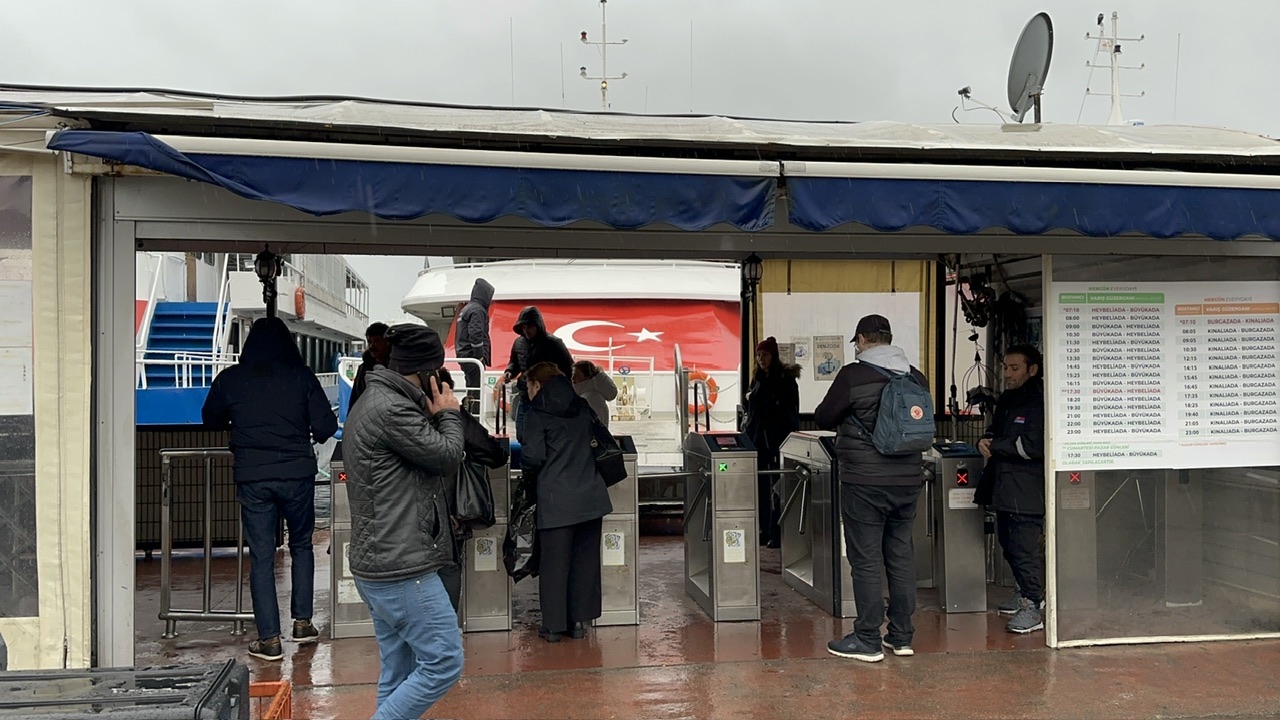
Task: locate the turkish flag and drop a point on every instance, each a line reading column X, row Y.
column 707, row 331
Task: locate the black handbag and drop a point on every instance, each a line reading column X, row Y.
column 609, row 462
column 474, row 496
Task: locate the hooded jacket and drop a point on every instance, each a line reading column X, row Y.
column 1013, row 478
column 398, row 460
column 856, row 391
column 773, row 407
column 544, row 347
column 598, row 391
column 471, row 338
column 274, row 406
column 556, row 450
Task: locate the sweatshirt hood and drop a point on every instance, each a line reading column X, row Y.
column 530, row 316
column 270, row 342
column 889, row 357
column 482, row 292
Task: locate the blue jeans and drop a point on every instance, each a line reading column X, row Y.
column 877, row 533
column 419, row 641
column 262, row 504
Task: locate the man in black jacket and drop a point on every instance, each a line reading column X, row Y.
column 274, row 406
column 376, row 354
column 402, row 443
column 535, row 345
column 878, row 496
column 1013, row 481
column 471, row 335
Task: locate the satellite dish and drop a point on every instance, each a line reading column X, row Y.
column 1030, row 66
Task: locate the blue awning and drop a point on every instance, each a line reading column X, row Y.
column 1033, row 208
column 394, row 190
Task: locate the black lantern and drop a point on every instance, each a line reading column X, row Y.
column 268, row 267
column 752, row 269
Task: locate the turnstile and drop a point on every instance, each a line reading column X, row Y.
column 485, row 601
column 815, row 562
column 721, row 560
column 349, row 614
column 619, row 538
column 960, row 557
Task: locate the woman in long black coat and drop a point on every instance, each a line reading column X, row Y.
column 572, row 500
column 773, row 413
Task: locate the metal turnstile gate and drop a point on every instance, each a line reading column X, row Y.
column 350, row 616
column 815, row 562
column 720, row 552
column 485, row 601
column 619, row 551
column 960, row 542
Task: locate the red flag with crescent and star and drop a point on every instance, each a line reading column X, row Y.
column 707, row 331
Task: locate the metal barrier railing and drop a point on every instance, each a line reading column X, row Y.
column 206, row 614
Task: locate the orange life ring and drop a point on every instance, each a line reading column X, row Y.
column 300, row 303
column 713, row 392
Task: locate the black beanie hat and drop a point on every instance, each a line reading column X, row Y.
column 414, row 348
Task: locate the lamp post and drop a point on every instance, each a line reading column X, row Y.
column 604, row 77
column 268, row 266
column 752, row 270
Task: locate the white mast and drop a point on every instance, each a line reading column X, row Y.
column 1111, row 45
column 603, row 44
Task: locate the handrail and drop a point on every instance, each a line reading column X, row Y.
column 218, row 344
column 144, row 331
column 206, row 614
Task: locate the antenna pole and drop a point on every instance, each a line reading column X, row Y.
column 603, row 44
column 1177, row 65
column 1036, row 100
column 1111, row 45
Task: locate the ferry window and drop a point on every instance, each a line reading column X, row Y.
column 19, row 583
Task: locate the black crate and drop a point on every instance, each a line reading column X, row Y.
column 217, row 691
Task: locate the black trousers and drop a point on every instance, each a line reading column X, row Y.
column 569, row 575
column 878, row 520
column 768, row 504
column 472, row 374
column 1019, row 536
column 451, row 576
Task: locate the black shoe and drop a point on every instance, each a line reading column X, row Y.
column 578, row 631
column 545, row 634
column 304, row 632
column 268, row 649
column 773, row 544
column 851, row 646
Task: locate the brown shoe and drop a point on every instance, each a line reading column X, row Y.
column 304, row 632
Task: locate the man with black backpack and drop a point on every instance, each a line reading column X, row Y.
column 883, row 413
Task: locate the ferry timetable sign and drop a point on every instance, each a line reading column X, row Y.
column 1166, row 375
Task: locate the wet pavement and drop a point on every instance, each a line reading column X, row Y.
column 679, row 664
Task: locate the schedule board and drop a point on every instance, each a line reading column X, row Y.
column 1166, row 375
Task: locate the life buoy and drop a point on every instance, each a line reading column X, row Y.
column 300, row 303
column 713, row 392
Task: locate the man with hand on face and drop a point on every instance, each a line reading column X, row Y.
column 1013, row 482
column 403, row 442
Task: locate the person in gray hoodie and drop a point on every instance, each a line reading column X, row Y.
column 595, row 386
column 878, row 496
column 471, row 337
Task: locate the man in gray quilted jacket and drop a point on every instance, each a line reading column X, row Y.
column 401, row 443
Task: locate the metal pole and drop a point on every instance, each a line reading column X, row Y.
column 744, row 373
column 166, row 549
column 238, row 626
column 208, row 534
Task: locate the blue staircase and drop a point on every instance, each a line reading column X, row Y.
column 176, row 327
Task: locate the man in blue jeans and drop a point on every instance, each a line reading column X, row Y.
column 401, row 444
column 878, row 497
column 274, row 406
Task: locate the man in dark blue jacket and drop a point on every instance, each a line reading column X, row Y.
column 274, row 405
column 1013, row 482
column 471, row 336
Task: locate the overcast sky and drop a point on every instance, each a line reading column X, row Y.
column 797, row 59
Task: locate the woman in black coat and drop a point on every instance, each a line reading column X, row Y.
column 572, row 500
column 773, row 413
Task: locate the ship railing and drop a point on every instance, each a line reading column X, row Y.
column 635, row 377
